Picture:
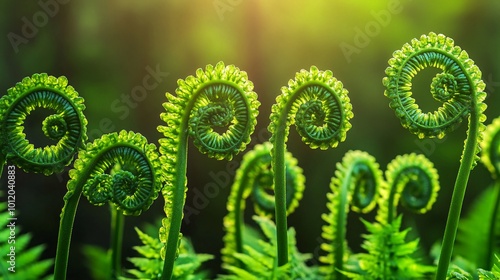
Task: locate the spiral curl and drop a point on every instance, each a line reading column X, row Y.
column 218, row 109
column 356, row 182
column 459, row 87
column 412, row 179
column 67, row 125
column 319, row 106
column 120, row 168
column 254, row 178
column 490, row 154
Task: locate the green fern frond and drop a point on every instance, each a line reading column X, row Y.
column 318, row 104
column 472, row 238
column 26, row 263
column 66, row 127
column 255, row 178
column 98, row 261
column 260, row 262
column 411, row 178
column 355, row 184
column 389, row 256
column 149, row 264
column 218, row 109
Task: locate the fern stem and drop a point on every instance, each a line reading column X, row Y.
column 280, row 196
column 117, row 224
column 178, row 206
column 491, row 237
column 458, row 195
column 341, row 226
column 3, row 160
column 65, row 230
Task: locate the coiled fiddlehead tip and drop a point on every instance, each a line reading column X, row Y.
column 67, row 125
column 490, row 155
column 459, row 87
column 222, row 110
column 122, row 168
column 263, row 181
column 320, row 106
column 414, row 179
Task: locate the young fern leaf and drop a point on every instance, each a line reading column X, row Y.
column 412, row 179
column 217, row 99
column 66, row 127
column 255, row 178
column 260, row 262
column 123, row 169
column 318, row 105
column 149, row 264
column 355, row 184
column 460, row 88
column 27, row 263
column 490, row 157
column 389, row 255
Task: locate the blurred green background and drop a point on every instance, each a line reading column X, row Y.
column 106, row 48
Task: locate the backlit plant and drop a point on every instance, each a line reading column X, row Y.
column 217, row 108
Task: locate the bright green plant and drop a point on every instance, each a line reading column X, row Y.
column 255, row 178
column 460, row 88
column 317, row 103
column 356, row 184
column 218, row 109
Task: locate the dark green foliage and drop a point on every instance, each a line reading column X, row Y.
column 28, row 262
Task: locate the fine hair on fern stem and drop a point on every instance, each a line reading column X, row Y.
column 318, row 105
column 219, row 109
column 411, row 179
column 121, row 168
column 66, row 127
column 254, row 178
column 460, row 88
column 490, row 157
column 355, row 184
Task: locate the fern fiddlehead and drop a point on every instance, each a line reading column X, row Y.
column 121, row 168
column 66, row 126
column 254, row 178
column 318, row 105
column 411, row 179
column 491, row 159
column 355, row 183
column 460, row 88
column 218, row 108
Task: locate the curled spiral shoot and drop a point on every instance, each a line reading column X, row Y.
column 490, row 157
column 67, row 125
column 356, row 182
column 460, row 88
column 318, row 105
column 218, row 109
column 254, row 178
column 411, row 179
column 121, row 168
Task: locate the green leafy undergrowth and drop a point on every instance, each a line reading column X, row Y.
column 149, row 264
column 388, row 255
column 259, row 260
column 28, row 259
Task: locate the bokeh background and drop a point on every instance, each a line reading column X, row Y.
column 106, row 48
